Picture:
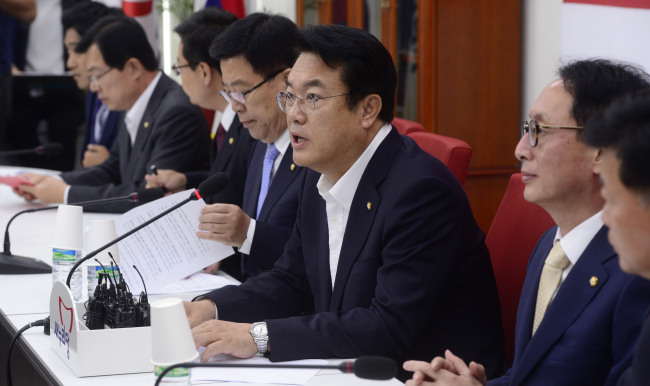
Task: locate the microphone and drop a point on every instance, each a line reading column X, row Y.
column 48, row 149
column 368, row 367
column 212, row 185
column 20, row 265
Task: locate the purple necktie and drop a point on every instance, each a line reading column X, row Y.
column 269, row 158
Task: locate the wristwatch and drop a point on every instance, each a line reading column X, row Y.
column 261, row 337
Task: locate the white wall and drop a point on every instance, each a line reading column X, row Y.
column 284, row 7
column 541, row 48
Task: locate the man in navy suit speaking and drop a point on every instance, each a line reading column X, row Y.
column 579, row 315
column 386, row 257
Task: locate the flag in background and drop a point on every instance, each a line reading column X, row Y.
column 236, row 7
column 613, row 29
column 145, row 13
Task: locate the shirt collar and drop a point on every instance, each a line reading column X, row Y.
column 345, row 188
column 227, row 116
column 575, row 242
column 283, row 142
column 134, row 115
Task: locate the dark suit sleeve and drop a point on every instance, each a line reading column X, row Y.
column 420, row 238
column 108, row 172
column 628, row 318
column 178, row 141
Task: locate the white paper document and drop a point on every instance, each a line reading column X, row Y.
column 256, row 375
column 198, row 282
column 168, row 249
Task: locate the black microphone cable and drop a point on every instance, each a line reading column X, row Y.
column 43, row 322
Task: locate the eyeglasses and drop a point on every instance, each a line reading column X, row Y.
column 532, row 128
column 286, row 99
column 241, row 96
column 177, row 69
column 94, row 79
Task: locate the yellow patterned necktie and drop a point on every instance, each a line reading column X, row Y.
column 550, row 280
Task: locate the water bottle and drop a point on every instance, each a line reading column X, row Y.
column 67, row 242
column 62, row 262
column 93, row 276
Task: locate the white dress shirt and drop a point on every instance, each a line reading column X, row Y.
column 338, row 198
column 576, row 241
column 136, row 112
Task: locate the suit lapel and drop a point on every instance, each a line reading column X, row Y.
column 364, row 207
column 229, row 145
column 286, row 173
column 573, row 296
column 145, row 127
column 325, row 284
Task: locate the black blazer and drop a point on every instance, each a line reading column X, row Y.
column 232, row 159
column 414, row 275
column 173, row 134
column 278, row 215
column 639, row 372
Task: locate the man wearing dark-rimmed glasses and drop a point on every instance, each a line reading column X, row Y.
column 256, row 54
column 579, row 315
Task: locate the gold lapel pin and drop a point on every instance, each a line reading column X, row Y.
column 231, row 140
column 146, row 124
column 293, row 167
column 369, row 205
column 593, row 281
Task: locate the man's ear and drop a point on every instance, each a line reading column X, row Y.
column 370, row 107
column 134, row 68
column 205, row 72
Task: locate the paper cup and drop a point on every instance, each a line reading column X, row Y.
column 68, row 228
column 171, row 336
column 101, row 232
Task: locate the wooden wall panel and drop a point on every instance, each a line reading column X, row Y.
column 478, row 91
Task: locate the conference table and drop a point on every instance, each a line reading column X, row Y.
column 25, row 299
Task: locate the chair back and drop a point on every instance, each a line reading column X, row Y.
column 405, row 127
column 453, row 152
column 515, row 230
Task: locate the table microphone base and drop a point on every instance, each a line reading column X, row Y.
column 19, row 265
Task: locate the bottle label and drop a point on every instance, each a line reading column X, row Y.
column 178, row 372
column 93, row 272
column 67, row 255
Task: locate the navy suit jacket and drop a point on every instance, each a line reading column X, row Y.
column 639, row 373
column 588, row 334
column 278, row 215
column 108, row 132
column 173, row 134
column 414, row 275
column 231, row 159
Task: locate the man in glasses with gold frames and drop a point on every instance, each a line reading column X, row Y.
column 256, row 54
column 579, row 315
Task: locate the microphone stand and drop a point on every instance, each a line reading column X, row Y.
column 193, row 197
column 22, row 265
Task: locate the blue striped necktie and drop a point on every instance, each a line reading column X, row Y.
column 269, row 158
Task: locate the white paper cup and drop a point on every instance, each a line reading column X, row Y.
column 101, row 232
column 171, row 336
column 68, row 228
